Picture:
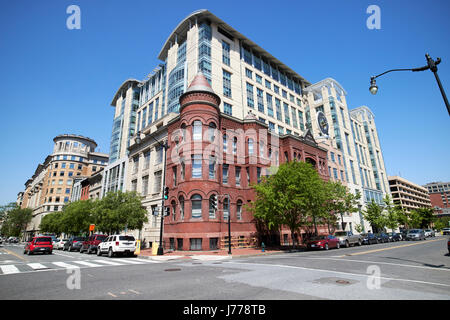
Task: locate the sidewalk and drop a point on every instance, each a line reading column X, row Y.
column 220, row 254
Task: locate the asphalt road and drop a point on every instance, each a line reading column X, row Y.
column 401, row 270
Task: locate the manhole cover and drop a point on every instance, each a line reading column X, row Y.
column 173, row 269
column 342, row 281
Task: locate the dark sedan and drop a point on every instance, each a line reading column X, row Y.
column 394, row 236
column 382, row 237
column 369, row 238
column 74, row 244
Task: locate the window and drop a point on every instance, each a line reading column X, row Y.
column 225, row 174
column 211, row 131
column 174, row 175
column 269, row 105
column 225, row 143
column 287, row 118
column 181, row 200
column 238, row 175
column 258, row 174
column 212, row 168
column 226, row 84
column 134, row 185
column 196, row 166
column 261, row 149
column 248, row 73
column 259, row 94
column 250, row 101
column 72, row 166
column 278, row 106
column 195, row 244
column 174, row 210
column 239, row 210
column 67, row 190
column 226, row 53
column 250, row 146
column 197, row 130
column 226, row 208
column 157, row 185
column 268, row 84
column 183, row 168
column 212, row 210
column 248, row 175
column 196, row 203
column 146, row 160
column 213, row 243
column 234, row 145
column 227, row 109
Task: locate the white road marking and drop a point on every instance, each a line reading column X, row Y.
column 130, row 261
column 377, row 262
column 37, row 266
column 109, row 262
column 65, row 265
column 9, row 269
column 89, row 264
column 62, row 254
column 339, row 272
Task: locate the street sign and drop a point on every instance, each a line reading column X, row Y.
column 92, row 227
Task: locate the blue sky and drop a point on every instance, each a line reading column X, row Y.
column 55, row 80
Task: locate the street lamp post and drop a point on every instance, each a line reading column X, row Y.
column 431, row 64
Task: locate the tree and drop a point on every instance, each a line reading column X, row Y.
column 53, row 223
column 15, row 219
column 76, row 217
column 294, row 196
column 118, row 211
column 421, row 218
column 391, row 217
column 373, row 214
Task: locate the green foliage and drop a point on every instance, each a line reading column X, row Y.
column 113, row 213
column 14, row 219
column 421, row 218
column 391, row 219
column 295, row 196
column 374, row 214
column 443, row 222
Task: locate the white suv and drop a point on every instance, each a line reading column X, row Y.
column 117, row 244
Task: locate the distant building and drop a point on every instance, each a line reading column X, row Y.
column 50, row 187
column 408, row 195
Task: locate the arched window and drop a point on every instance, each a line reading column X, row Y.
column 225, row 142
column 226, row 208
column 261, row 148
column 196, row 203
column 235, row 145
column 212, row 210
column 181, row 200
column 197, row 130
column 174, row 209
column 250, row 146
column 212, row 131
column 183, row 132
column 239, row 210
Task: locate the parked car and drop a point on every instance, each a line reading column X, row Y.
column 39, row 244
column 60, row 244
column 115, row 244
column 448, row 246
column 446, row 231
column 347, row 238
column 369, row 238
column 394, row 236
column 91, row 243
column 13, row 240
column 415, row 234
column 403, row 233
column 382, row 237
column 429, row 233
column 74, row 244
column 323, row 242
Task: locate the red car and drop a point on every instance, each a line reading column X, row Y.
column 91, row 243
column 39, row 244
column 323, row 242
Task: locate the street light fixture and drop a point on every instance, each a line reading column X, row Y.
column 431, row 64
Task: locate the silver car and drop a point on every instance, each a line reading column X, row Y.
column 415, row 234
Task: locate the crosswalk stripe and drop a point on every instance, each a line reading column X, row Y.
column 89, row 264
column 109, row 262
column 9, row 268
column 65, row 265
column 37, row 266
column 130, row 261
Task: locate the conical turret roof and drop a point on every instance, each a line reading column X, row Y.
column 200, row 83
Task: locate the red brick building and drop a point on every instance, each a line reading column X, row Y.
column 212, row 154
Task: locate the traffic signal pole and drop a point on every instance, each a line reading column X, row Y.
column 160, row 248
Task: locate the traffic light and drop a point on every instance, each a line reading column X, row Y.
column 166, row 193
column 214, row 201
column 167, row 211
